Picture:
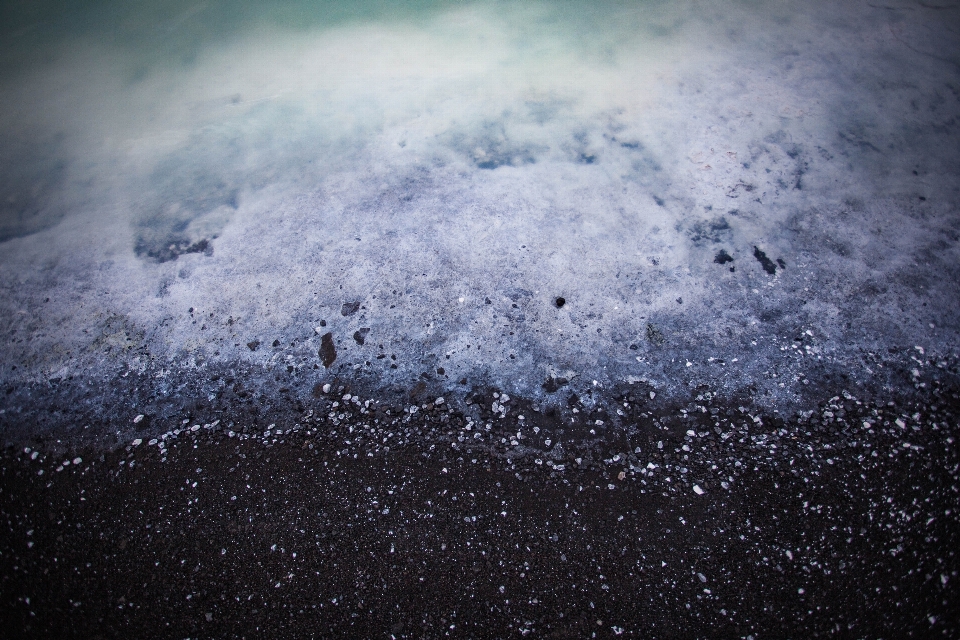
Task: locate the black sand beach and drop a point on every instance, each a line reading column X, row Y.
column 361, row 521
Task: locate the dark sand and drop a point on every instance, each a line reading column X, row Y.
column 820, row 526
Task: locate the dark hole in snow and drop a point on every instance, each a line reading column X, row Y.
column 553, row 384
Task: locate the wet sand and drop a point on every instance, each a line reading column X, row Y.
column 363, row 521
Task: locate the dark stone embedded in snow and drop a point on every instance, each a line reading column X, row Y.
column 328, row 352
column 360, row 335
column 253, row 345
column 783, row 265
column 764, row 261
column 168, row 249
column 276, row 343
column 705, row 231
column 560, row 302
column 723, row 257
column 553, row 384
column 349, row 308
column 654, row 335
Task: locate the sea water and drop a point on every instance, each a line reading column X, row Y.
column 744, row 194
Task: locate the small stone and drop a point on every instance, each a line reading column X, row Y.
column 328, row 352
column 77, row 460
column 697, row 490
column 138, row 419
column 137, row 442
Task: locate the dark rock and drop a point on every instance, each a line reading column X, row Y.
column 361, row 334
column 349, row 308
column 328, row 352
column 764, row 261
column 253, row 345
column 654, row 335
column 723, row 257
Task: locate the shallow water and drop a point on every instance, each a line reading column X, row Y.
column 192, row 186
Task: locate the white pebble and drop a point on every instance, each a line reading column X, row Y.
column 697, row 490
column 138, row 418
column 77, row 460
column 137, row 442
column 326, row 388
